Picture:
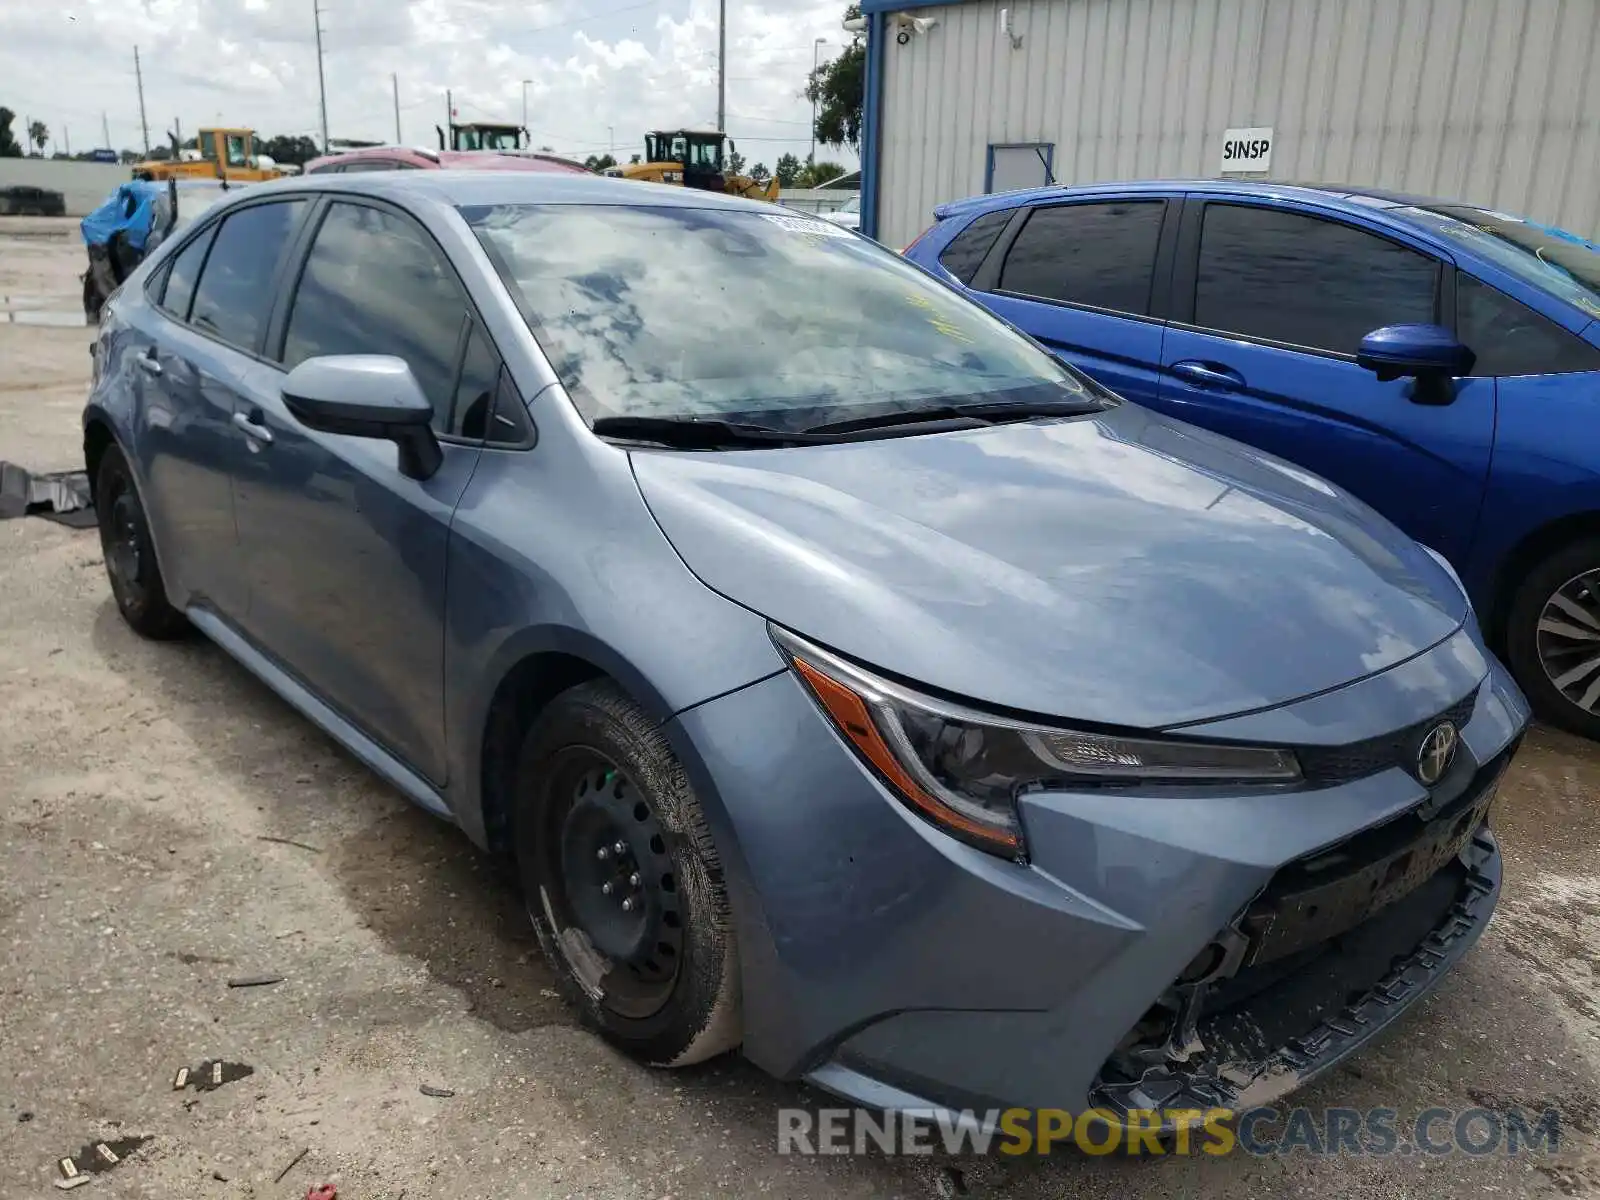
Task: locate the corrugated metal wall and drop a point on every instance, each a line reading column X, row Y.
column 1491, row 101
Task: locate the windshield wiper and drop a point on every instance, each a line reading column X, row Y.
column 697, row 433
column 983, row 411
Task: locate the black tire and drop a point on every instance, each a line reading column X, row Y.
column 596, row 772
column 1522, row 636
column 130, row 554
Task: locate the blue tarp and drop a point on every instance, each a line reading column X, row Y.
column 131, row 209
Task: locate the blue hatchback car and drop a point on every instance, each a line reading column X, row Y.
column 847, row 678
column 1472, row 419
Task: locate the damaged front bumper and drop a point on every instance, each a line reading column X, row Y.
column 1277, row 1009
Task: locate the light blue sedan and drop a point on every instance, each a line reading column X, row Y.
column 848, row 680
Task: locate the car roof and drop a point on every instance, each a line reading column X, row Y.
column 1352, row 198
column 469, row 188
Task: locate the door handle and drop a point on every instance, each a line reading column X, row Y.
column 148, row 365
column 1208, row 375
column 259, row 433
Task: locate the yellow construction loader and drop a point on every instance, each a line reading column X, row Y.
column 694, row 158
column 220, row 154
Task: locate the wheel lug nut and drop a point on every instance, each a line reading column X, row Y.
column 602, row 854
column 633, row 879
column 619, row 847
column 605, row 889
column 627, row 906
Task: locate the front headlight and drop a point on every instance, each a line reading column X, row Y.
column 964, row 770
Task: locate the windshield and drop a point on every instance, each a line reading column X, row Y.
column 705, row 154
column 1561, row 263
column 774, row 319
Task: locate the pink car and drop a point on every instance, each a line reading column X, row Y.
column 408, row 158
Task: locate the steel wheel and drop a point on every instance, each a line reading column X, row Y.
column 614, row 880
column 129, row 554
column 1569, row 640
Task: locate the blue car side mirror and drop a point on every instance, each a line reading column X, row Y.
column 366, row 395
column 1397, row 351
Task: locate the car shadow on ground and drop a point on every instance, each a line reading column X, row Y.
column 436, row 899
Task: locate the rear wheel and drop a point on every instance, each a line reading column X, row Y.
column 1553, row 638
column 129, row 553
column 622, row 881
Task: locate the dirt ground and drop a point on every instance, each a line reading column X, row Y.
column 143, row 792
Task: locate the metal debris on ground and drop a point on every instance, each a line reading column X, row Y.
column 61, row 495
column 210, row 1075
column 246, row 981
column 66, row 1185
column 436, row 1092
column 283, row 841
column 293, row 1163
column 98, row 1157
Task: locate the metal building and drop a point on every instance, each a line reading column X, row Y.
column 1491, row 101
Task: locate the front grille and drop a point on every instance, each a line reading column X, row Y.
column 1324, row 766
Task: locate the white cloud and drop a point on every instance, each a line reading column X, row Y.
column 600, row 73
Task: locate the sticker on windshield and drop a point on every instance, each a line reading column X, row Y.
column 807, row 225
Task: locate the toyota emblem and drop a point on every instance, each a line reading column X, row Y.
column 1436, row 753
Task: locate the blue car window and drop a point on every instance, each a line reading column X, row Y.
column 1100, row 255
column 1509, row 338
column 1287, row 277
column 1553, row 260
column 967, row 250
column 184, row 273
column 374, row 283
column 234, row 296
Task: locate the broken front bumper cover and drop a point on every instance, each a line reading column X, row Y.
column 1239, row 1058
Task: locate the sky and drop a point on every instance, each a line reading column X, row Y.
column 600, row 72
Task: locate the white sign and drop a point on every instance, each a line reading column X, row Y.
column 1246, row 150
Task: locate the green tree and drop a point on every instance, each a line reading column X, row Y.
column 760, row 173
column 599, row 162
column 296, row 150
column 38, row 135
column 787, row 170
column 8, row 140
column 819, row 174
column 735, row 161
column 838, row 89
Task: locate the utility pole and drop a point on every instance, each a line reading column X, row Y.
column 395, row 80
column 322, row 89
column 722, row 66
column 105, row 129
column 811, row 87
column 525, row 132
column 143, row 124
column 27, row 136
column 449, row 120
column 66, row 136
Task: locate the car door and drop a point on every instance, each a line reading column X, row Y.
column 345, row 555
column 1269, row 304
column 214, row 301
column 1081, row 278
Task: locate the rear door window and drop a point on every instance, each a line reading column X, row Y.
column 234, row 297
column 1509, row 338
column 183, row 275
column 967, row 250
column 1288, row 277
column 375, row 283
column 1101, row 255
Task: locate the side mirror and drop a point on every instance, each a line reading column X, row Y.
column 1396, row 351
column 366, row 395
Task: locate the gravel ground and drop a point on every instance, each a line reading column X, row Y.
column 143, row 792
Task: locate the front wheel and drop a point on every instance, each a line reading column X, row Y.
column 622, row 880
column 1553, row 638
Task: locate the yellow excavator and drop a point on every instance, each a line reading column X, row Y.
column 219, row 154
column 694, row 158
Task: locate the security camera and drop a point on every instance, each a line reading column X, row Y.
column 855, row 25
column 906, row 25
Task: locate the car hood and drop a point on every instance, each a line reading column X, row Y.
column 1122, row 568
